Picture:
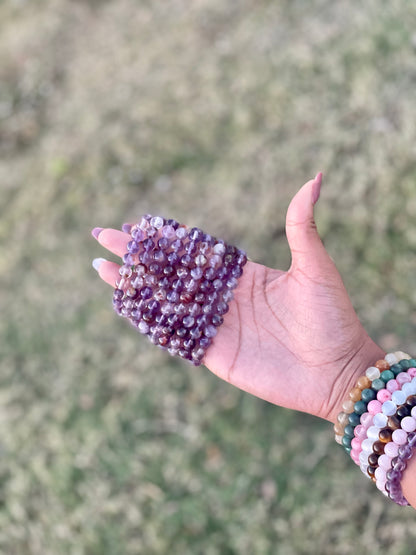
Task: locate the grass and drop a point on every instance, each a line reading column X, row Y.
column 214, row 113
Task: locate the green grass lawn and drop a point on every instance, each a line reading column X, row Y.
column 212, row 112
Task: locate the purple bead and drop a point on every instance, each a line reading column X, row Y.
column 143, row 327
column 177, row 285
column 164, row 283
column 232, row 283
column 137, row 235
column 205, row 286
column 146, row 292
column 217, row 320
column 190, row 248
column 145, row 258
column 181, row 232
column 153, row 305
column 180, row 309
column 154, row 268
column 182, row 332
column 128, row 259
column 118, row 294
column 173, row 319
column 159, row 256
column 203, row 247
column 195, row 333
column 196, row 234
column 222, row 308
column 222, row 273
column 210, row 273
column 210, row 331
column 172, row 223
column 172, row 296
column 148, row 316
column 196, row 273
column 188, row 321
column 205, row 342
column 187, row 261
column 126, row 228
column 168, row 270
column 163, row 243
column 212, row 297
column 236, row 272
column 188, row 344
column 176, row 245
column 148, row 244
column 173, row 258
column 399, row 465
column 199, row 298
column 182, row 272
column 133, row 247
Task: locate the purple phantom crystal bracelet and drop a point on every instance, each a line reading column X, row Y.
column 175, row 285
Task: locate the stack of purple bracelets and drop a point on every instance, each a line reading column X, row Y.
column 175, row 285
column 377, row 425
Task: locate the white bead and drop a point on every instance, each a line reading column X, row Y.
column 219, row 248
column 398, row 397
column 372, row 432
column 372, row 373
column 389, row 408
column 157, row 222
column 363, row 458
column 401, row 355
column 367, row 445
column 380, row 420
column 391, row 359
column 413, row 412
column 407, row 389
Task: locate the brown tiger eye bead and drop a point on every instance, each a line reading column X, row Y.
column 355, row 394
column 393, row 422
column 363, row 382
column 371, row 471
column 385, row 435
column 378, row 447
column 373, row 459
column 382, row 365
column 411, row 401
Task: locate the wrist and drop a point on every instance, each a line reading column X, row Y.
column 354, row 365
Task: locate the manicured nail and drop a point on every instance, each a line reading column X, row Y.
column 96, row 232
column 316, row 189
column 96, row 263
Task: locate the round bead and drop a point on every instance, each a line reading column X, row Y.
column 382, row 365
column 366, row 419
column 378, row 384
column 391, row 450
column 367, row 445
column 378, row 447
column 393, row 422
column 399, row 437
column 360, row 407
column 412, row 372
column 348, row 406
column 402, row 378
column 398, row 397
column 374, row 407
column 380, row 420
column 413, row 412
column 384, row 461
column 391, row 358
column 367, row 395
column 408, row 424
column 349, row 431
column 372, row 373
column 355, row 394
column 386, row 375
column 373, row 432
column 389, row 408
column 383, row 395
column 385, row 435
column 380, row 474
column 363, row 382
column 392, row 386
column 353, row 418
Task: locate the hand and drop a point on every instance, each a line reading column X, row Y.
column 291, row 338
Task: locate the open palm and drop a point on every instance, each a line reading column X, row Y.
column 291, row 338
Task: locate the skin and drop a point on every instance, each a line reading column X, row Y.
column 290, row 337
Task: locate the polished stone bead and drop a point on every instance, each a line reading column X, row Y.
column 387, row 375
column 185, row 297
column 154, row 268
column 377, row 384
column 145, row 292
column 393, row 422
column 176, row 245
column 378, row 447
column 182, row 273
column 364, row 382
column 385, row 435
column 373, row 459
column 197, row 272
column 191, row 248
column 181, row 232
column 133, row 247
column 403, row 411
column 353, row 418
column 217, row 320
column 210, row 273
column 368, row 395
column 168, row 270
column 360, row 407
column 205, row 342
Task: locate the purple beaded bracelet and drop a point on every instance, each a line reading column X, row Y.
column 399, row 464
column 175, row 285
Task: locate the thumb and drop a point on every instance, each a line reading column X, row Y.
column 306, row 246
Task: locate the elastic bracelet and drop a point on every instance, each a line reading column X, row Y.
column 176, row 284
column 382, row 438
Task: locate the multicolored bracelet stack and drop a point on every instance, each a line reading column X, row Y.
column 377, row 425
column 176, row 284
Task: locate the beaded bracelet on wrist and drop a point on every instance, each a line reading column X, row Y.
column 176, row 284
column 380, row 431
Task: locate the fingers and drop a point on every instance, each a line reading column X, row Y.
column 108, row 271
column 112, row 239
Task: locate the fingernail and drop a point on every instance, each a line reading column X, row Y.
column 316, row 189
column 96, row 263
column 96, row 232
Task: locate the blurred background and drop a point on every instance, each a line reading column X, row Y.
column 213, row 112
